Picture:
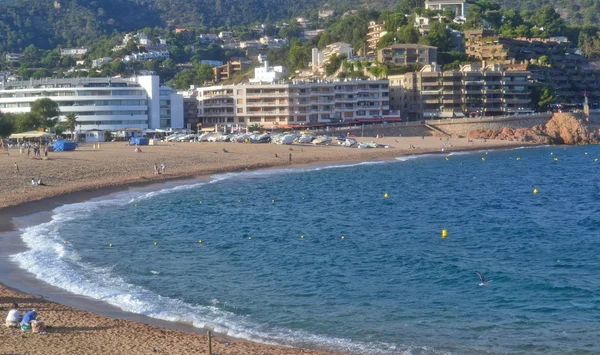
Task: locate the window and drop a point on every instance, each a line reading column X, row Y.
column 240, row 101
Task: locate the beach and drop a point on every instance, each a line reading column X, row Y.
column 117, row 165
column 88, row 172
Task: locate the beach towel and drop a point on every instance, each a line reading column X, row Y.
column 25, row 327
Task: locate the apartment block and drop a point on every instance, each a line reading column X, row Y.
column 295, row 102
column 374, row 34
column 553, row 62
column 228, row 70
column 474, row 89
column 407, row 54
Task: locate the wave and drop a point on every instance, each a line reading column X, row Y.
column 54, row 261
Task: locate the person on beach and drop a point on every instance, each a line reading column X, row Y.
column 33, row 182
column 46, row 152
column 28, row 152
column 290, row 158
column 155, row 169
column 163, row 167
column 27, row 319
column 16, row 169
column 14, row 316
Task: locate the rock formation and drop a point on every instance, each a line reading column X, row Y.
column 563, row 128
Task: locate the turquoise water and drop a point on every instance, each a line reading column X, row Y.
column 392, row 285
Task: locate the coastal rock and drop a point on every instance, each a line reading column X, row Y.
column 563, row 128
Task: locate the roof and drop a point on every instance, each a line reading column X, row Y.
column 31, row 134
column 410, row 45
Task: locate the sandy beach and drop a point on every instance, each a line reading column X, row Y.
column 116, row 164
column 87, row 173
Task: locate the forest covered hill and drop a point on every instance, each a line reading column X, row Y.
column 49, row 23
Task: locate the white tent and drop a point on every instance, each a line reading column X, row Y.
column 31, row 134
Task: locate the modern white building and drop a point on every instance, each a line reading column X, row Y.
column 458, row 7
column 146, row 56
column 297, row 102
column 96, row 63
column 73, row 52
column 101, row 103
column 267, row 74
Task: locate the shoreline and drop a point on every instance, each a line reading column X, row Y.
column 12, row 216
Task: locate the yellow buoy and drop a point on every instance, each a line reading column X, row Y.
column 482, row 159
column 596, row 159
column 239, row 201
column 535, row 191
column 447, row 158
column 110, row 245
column 64, row 242
column 555, row 159
column 249, row 238
column 301, row 237
column 342, row 237
column 155, row 243
column 486, row 153
column 136, row 205
column 386, row 195
column 444, row 233
column 272, row 201
column 518, row 158
column 200, row 241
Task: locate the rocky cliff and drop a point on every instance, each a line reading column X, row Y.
column 562, row 128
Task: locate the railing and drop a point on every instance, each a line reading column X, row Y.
column 490, row 119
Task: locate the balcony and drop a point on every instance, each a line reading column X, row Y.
column 267, row 113
column 254, row 104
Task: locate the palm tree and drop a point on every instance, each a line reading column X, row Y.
column 71, row 122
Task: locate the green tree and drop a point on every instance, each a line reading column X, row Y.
column 474, row 17
column 334, row 63
column 439, row 36
column 543, row 96
column 408, row 34
column 108, row 136
column 549, row 21
column 7, row 124
column 26, row 122
column 47, row 111
column 71, row 122
column 204, row 73
column 255, row 127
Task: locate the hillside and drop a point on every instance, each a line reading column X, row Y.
column 48, row 23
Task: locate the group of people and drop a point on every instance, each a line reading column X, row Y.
column 28, row 322
column 37, row 152
column 163, row 168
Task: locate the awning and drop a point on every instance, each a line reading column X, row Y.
column 31, row 134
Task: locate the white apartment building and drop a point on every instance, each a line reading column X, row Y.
column 267, row 74
column 146, row 56
column 458, row 7
column 101, row 103
column 73, row 52
column 294, row 102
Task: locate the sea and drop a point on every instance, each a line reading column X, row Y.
column 318, row 257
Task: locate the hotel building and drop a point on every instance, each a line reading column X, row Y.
column 293, row 102
column 101, row 103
